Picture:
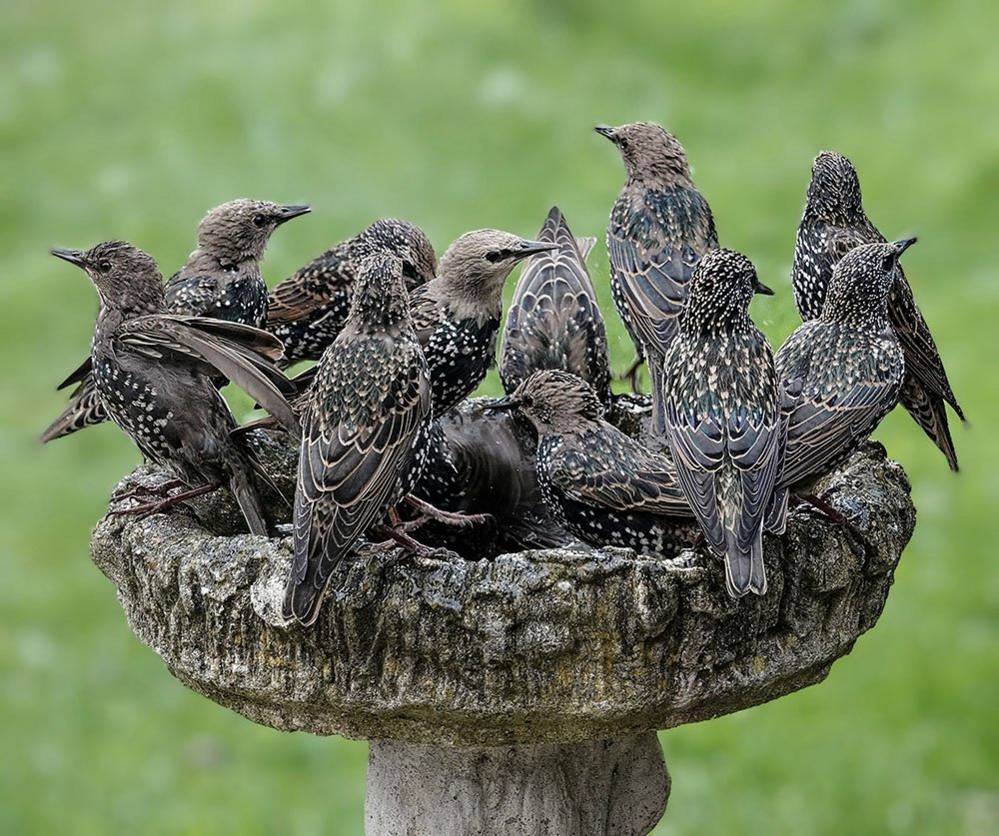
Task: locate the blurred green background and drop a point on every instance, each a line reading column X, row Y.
column 129, row 120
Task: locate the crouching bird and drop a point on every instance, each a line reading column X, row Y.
column 723, row 415
column 365, row 429
column 153, row 375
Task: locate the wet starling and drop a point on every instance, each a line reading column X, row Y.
column 457, row 315
column 834, row 223
column 659, row 228
column 221, row 279
column 843, row 371
column 723, row 420
column 600, row 484
column 152, row 372
column 307, row 310
column 554, row 321
column 364, row 432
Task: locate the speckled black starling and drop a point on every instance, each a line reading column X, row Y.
column 844, row 370
column 457, row 315
column 723, row 419
column 152, row 372
column 221, row 279
column 834, row 223
column 600, row 484
column 307, row 310
column 659, row 228
column 554, row 321
column 364, row 432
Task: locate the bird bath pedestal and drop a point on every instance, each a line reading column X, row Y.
column 519, row 694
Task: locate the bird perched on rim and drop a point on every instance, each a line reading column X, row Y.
column 844, row 370
column 153, row 374
column 723, row 419
column 659, row 229
column 600, row 484
column 364, row 432
column 554, row 321
column 457, row 315
column 307, row 310
column 833, row 223
column 221, row 279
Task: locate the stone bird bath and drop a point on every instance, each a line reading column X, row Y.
column 519, row 693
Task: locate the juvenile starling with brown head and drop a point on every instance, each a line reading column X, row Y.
column 307, row 310
column 723, row 420
column 153, row 375
column 554, row 321
column 457, row 315
column 364, row 432
column 599, row 484
column 843, row 371
column 833, row 223
column 659, row 229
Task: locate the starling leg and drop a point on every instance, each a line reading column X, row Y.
column 399, row 524
column 410, row 544
column 831, row 514
column 169, row 502
column 447, row 517
column 631, row 374
column 161, row 490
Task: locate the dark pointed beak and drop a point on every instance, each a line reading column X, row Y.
column 526, row 248
column 72, row 256
column 761, row 288
column 605, row 131
column 506, row 404
column 903, row 245
column 286, row 213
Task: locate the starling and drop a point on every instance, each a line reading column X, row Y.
column 599, row 484
column 307, row 310
column 659, row 228
column 221, row 279
column 457, row 315
column 723, row 420
column 834, row 223
column 554, row 321
column 364, row 432
column 844, row 370
column 153, row 374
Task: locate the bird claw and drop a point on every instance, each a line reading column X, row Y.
column 452, row 518
column 150, row 508
column 834, row 516
column 162, row 490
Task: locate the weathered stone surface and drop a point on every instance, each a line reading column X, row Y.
column 616, row 787
column 546, row 646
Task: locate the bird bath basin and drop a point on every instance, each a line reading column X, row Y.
column 515, row 694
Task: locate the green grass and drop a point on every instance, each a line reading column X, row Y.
column 130, row 119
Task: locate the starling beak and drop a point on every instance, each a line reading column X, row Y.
column 832, row 224
column 151, row 374
column 307, row 310
column 554, row 320
column 72, row 256
column 723, row 419
column 286, row 213
column 660, row 226
column 842, row 372
column 598, row 483
column 364, row 436
column 761, row 288
column 605, row 130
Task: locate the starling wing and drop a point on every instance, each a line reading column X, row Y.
column 356, row 446
column 85, row 410
column 308, row 290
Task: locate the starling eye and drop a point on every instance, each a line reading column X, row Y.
column 622, row 143
column 889, row 263
column 259, row 220
column 103, row 266
column 408, row 270
column 493, row 256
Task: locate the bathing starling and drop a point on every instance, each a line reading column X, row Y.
column 659, row 228
column 364, row 432
column 307, row 310
column 221, row 278
column 554, row 321
column 844, row 370
column 600, row 484
column 723, row 420
column 834, row 223
column 153, row 374
column 457, row 315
